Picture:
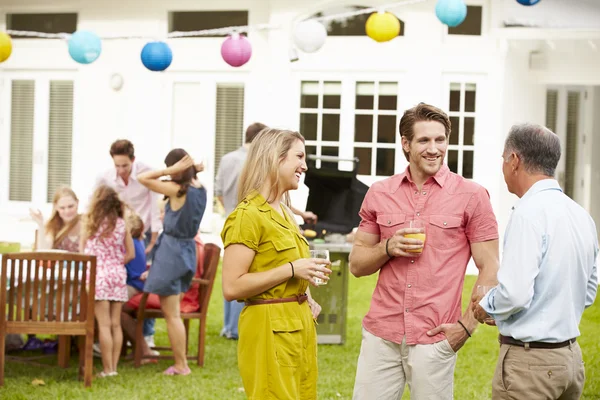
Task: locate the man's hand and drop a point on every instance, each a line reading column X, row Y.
column 455, row 334
column 398, row 244
column 479, row 313
column 150, row 247
column 144, row 275
column 309, row 217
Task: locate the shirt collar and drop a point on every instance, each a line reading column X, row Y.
column 132, row 175
column 440, row 177
column 539, row 186
column 259, row 201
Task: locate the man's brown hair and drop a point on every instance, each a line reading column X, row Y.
column 253, row 130
column 122, row 147
column 421, row 112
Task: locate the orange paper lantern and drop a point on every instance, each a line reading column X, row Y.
column 382, row 26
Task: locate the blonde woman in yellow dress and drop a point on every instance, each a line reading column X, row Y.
column 266, row 265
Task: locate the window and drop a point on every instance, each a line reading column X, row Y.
column 229, row 119
column 47, row 23
column 185, row 21
column 375, row 123
column 320, row 103
column 41, row 137
column 572, row 132
column 471, row 25
column 60, row 136
column 551, row 109
column 462, row 113
column 21, row 140
column 354, row 26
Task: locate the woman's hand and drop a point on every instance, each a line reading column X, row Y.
column 311, row 268
column 180, row 166
column 315, row 308
column 37, row 216
column 144, row 275
column 199, row 167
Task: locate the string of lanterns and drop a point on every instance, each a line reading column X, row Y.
column 308, row 36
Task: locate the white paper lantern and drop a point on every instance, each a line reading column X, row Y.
column 309, row 36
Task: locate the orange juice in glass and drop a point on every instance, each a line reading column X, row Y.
column 416, row 224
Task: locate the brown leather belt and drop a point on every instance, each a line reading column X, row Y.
column 300, row 298
column 535, row 345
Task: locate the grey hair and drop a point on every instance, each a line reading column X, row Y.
column 537, row 146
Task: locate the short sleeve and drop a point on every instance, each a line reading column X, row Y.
column 242, row 227
column 482, row 225
column 368, row 216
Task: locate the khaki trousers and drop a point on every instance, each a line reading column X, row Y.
column 544, row 374
column 384, row 368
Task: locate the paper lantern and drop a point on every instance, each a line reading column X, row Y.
column 85, row 47
column 382, row 26
column 157, row 56
column 5, row 46
column 309, row 36
column 236, row 50
column 528, row 2
column 451, row 12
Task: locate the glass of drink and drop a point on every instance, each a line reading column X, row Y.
column 416, row 224
column 482, row 291
column 324, row 254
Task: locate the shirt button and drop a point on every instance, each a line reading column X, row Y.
column 409, row 285
column 412, row 261
column 416, row 192
column 389, row 222
column 418, row 214
column 424, row 193
column 406, row 309
column 445, row 223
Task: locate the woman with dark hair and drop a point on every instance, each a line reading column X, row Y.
column 174, row 262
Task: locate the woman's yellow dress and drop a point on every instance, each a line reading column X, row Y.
column 277, row 349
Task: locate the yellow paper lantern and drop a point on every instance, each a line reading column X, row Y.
column 382, row 26
column 5, row 46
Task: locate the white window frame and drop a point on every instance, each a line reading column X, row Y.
column 40, row 136
column 348, row 111
column 478, row 139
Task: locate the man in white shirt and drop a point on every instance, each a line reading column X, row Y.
column 547, row 277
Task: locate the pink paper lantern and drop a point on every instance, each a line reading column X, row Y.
column 236, row 50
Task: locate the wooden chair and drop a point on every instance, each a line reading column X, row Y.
column 212, row 254
column 46, row 293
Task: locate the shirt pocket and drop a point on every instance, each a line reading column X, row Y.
column 444, row 231
column 390, row 223
column 287, row 341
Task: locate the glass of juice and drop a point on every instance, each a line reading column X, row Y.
column 416, row 224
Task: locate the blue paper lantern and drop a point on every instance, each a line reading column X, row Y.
column 84, row 47
column 157, row 56
column 528, row 2
column 451, row 12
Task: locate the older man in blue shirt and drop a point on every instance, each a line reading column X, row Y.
column 547, row 277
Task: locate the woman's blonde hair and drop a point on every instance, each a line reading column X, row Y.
column 55, row 225
column 268, row 150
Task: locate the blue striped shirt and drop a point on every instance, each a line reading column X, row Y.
column 548, row 274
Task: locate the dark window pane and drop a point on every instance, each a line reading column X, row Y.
column 185, row 21
column 467, row 170
column 47, row 23
column 331, row 127
column 471, row 25
column 453, row 160
column 454, row 134
column 309, row 97
column 332, row 95
column 385, row 162
column 364, row 160
column 386, row 129
column 388, row 95
column 470, row 95
column 363, row 128
column 353, row 26
column 469, row 138
column 311, row 150
column 330, row 151
column 308, row 126
column 365, row 95
column 454, row 97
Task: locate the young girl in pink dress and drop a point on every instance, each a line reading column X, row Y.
column 105, row 236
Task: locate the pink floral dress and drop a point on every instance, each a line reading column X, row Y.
column 111, row 275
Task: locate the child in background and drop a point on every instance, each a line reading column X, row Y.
column 136, row 267
column 105, row 235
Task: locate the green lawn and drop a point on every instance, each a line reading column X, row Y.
column 219, row 379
